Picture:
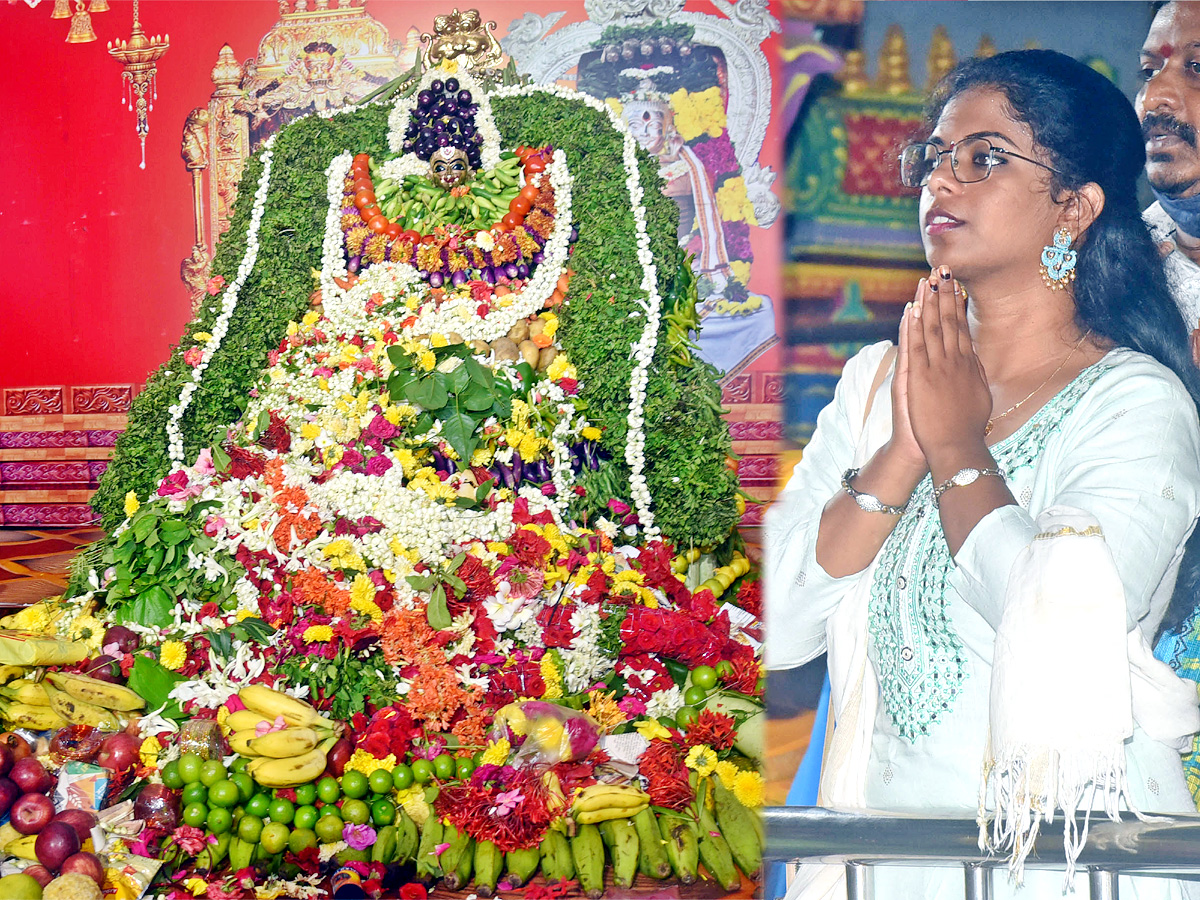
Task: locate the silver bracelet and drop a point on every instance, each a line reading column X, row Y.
column 962, row 478
column 869, row 502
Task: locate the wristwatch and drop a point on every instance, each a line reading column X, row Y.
column 962, row 478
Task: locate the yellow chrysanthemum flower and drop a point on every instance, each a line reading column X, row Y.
column 131, row 503
column 412, row 800
column 652, row 729
column 560, row 368
column 603, row 708
column 312, row 317
column 292, row 328
column 749, row 789
column 727, row 772
column 310, row 431
column 427, row 360
column 362, row 598
column 173, row 655
column 552, row 678
column 89, row 631
column 703, row 759
column 741, row 271
column 616, row 105
column 496, row 753
column 498, row 547
column 438, row 339
column 149, row 752
column 530, row 447
column 243, row 614
column 362, row 761
column 339, row 547
column 198, row 886
column 314, row 634
column 698, row 113
column 551, row 324
column 591, row 433
column 483, row 456
column 202, row 337
column 733, row 204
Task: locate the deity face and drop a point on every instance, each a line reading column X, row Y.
column 448, row 167
column 649, row 124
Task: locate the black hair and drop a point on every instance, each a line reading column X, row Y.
column 1090, row 133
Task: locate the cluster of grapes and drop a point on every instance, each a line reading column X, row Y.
column 444, row 117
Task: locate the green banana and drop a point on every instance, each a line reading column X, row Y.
column 682, row 847
column 456, row 861
column 384, row 848
column 621, row 838
column 211, row 857
column 521, row 865
column 715, row 853
column 241, row 854
column 557, row 863
column 428, row 867
column 587, row 851
column 489, row 862
column 652, row 851
column 739, row 826
column 407, row 836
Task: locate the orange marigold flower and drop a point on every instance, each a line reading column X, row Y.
column 406, row 637
column 539, row 222
column 527, row 244
column 435, row 696
column 429, row 257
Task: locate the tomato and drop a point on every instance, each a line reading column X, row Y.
column 394, row 230
column 534, row 165
column 362, row 158
column 530, row 193
column 411, row 235
column 362, row 184
column 512, row 220
column 360, row 172
column 378, row 224
column 428, row 239
column 520, row 206
column 364, row 198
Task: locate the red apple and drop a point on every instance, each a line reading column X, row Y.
column 39, row 873
column 81, row 820
column 31, row 776
column 118, row 751
column 9, row 792
column 158, row 806
column 18, row 745
column 339, row 754
column 7, row 758
column 126, row 640
column 104, row 668
column 85, row 864
column 32, row 813
column 55, row 843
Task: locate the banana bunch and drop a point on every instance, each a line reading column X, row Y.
column 24, row 703
column 290, row 771
column 603, row 802
column 280, row 757
column 419, row 204
column 270, row 704
column 86, row 689
column 80, row 712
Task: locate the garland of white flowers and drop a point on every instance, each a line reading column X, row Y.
column 643, row 350
column 345, row 308
column 229, row 302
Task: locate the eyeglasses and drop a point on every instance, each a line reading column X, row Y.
column 971, row 160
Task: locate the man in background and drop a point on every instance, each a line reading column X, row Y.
column 1169, row 107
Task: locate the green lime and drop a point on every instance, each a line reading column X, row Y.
column 329, row 829
column 194, row 793
column 245, row 785
column 694, row 696
column 306, row 817
column 402, row 776
column 355, row 784
column 274, row 838
column 239, row 765
column 328, row 790
column 212, row 772
column 194, row 814
column 306, row 794
column 258, row 805
column 282, row 810
column 725, row 668
column 383, row 812
column 380, row 781
column 219, row 820
column 302, row 839
column 443, row 766
column 356, row 812
column 189, row 767
column 704, row 677
column 686, row 715
column 422, row 770
column 463, row 768
column 250, row 829
column 328, row 810
column 224, row 794
column 170, row 775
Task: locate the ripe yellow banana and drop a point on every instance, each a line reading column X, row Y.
column 246, row 718
column 277, row 773
column 26, row 691
column 22, row 847
column 35, row 718
column 8, row 833
column 608, row 796
column 97, row 692
column 80, row 712
column 239, row 742
column 271, row 703
column 286, row 743
column 9, row 673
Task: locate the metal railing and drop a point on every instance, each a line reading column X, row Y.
column 1168, row 844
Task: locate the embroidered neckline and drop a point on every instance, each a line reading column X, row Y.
column 919, row 657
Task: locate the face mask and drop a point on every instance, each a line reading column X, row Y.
column 1184, row 213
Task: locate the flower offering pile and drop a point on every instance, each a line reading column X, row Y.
column 421, row 569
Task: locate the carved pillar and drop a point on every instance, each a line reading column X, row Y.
column 229, row 142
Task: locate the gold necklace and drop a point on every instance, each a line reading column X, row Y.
column 991, row 423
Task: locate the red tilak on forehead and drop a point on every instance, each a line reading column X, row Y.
column 1165, row 51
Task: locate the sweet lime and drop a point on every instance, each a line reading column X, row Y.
column 725, row 668
column 195, row 814
column 380, row 781
column 694, row 696
column 383, row 812
column 20, row 887
column 306, row 817
column 219, row 820
column 302, row 839
column 245, row 785
column 356, row 812
column 422, row 770
column 306, row 794
column 224, row 794
column 250, row 829
column 212, row 772
column 355, row 784
column 328, row 790
column 274, row 838
column 170, row 775
column 686, row 715
column 402, row 776
column 239, row 765
column 329, row 828
column 189, row 767
column 704, row 677
column 443, row 766
column 194, row 793
column 258, row 805
column 282, row 810
column 463, row 768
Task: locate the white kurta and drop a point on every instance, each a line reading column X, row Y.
column 916, row 629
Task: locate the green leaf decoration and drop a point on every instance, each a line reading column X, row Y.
column 459, row 431
column 154, row 682
column 437, row 612
column 153, row 607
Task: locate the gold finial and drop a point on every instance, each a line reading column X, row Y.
column 941, row 56
column 854, row 73
column 986, row 48
column 893, row 63
column 466, row 37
